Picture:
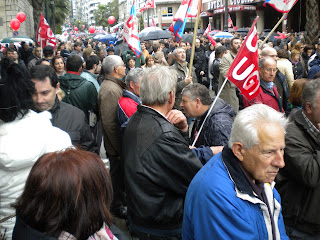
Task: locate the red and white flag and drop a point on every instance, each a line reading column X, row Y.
column 144, row 7
column 206, row 33
column 150, row 4
column 130, row 32
column 188, row 8
column 244, row 71
column 230, row 23
column 193, row 8
column 283, row 6
column 45, row 36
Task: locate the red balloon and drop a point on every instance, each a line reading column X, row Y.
column 92, row 29
column 75, row 28
column 21, row 16
column 83, row 26
column 111, row 20
column 15, row 24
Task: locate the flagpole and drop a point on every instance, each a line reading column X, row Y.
column 209, row 111
column 275, row 27
column 41, row 47
column 194, row 37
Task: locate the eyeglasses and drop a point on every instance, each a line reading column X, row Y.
column 269, row 70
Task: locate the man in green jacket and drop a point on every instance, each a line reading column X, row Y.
column 78, row 91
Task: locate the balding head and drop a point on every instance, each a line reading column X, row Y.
column 269, row 52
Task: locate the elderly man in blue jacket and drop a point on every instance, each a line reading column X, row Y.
column 233, row 195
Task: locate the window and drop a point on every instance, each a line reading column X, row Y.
column 166, row 11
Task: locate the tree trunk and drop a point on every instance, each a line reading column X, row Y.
column 312, row 23
column 37, row 9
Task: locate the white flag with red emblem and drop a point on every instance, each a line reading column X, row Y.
column 150, row 3
column 244, row 70
column 283, row 6
column 45, row 36
column 206, row 33
column 130, row 32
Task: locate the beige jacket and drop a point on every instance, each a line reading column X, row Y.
column 285, row 67
column 228, row 93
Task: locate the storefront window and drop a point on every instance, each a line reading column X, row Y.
column 166, row 11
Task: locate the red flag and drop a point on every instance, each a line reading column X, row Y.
column 45, row 34
column 230, row 23
column 244, row 72
column 206, row 33
column 150, row 4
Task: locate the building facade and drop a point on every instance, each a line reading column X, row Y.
column 83, row 9
column 9, row 10
column 242, row 13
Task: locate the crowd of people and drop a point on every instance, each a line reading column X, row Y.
column 180, row 168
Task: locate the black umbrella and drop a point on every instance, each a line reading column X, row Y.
column 265, row 34
column 154, row 34
column 200, row 31
column 118, row 45
column 187, row 38
column 246, row 30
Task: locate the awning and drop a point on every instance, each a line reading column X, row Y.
column 235, row 8
column 206, row 14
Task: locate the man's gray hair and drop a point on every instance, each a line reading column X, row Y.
column 246, row 124
column 156, row 85
column 263, row 61
column 134, row 75
column 197, row 90
column 310, row 93
column 110, row 62
column 175, row 51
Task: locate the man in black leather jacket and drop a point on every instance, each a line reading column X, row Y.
column 299, row 181
column 158, row 164
column 64, row 116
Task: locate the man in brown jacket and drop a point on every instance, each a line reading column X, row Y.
column 182, row 69
column 109, row 95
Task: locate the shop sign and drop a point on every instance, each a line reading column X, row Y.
column 235, row 9
column 216, row 4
